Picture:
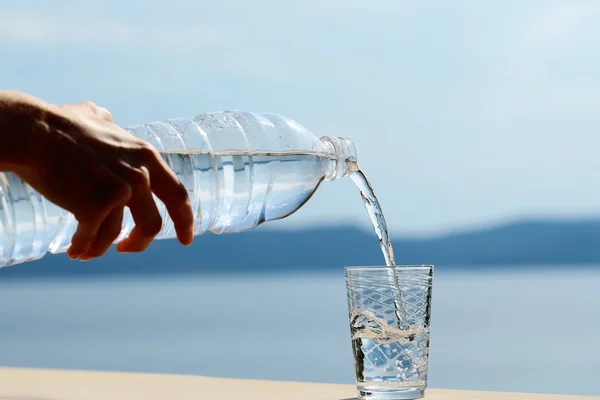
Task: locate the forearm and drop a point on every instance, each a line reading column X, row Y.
column 20, row 118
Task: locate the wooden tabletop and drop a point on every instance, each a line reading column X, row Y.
column 36, row 384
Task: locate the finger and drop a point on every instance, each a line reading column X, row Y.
column 84, row 236
column 148, row 221
column 113, row 193
column 148, row 224
column 92, row 107
column 82, row 105
column 173, row 194
column 107, row 234
column 104, row 114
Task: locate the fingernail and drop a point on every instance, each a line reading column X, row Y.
column 84, row 258
column 73, row 255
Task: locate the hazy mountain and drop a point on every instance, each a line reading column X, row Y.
column 520, row 244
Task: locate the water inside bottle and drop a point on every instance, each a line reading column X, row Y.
column 233, row 191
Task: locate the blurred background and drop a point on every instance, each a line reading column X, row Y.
column 476, row 123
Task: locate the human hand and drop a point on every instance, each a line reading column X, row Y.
column 84, row 163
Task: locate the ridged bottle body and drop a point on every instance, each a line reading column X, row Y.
column 240, row 169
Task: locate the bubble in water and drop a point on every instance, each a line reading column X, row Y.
column 377, row 358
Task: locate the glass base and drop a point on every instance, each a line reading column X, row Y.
column 374, row 392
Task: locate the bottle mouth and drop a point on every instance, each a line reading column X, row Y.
column 342, row 161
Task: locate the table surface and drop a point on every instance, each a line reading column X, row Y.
column 38, row 384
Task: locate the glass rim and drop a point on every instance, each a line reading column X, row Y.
column 382, row 267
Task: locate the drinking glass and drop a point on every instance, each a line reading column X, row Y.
column 390, row 309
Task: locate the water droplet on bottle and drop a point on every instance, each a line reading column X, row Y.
column 280, row 138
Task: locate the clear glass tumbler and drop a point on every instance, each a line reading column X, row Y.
column 390, row 310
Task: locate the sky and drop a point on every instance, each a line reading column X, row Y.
column 464, row 114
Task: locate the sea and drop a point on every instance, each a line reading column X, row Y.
column 500, row 329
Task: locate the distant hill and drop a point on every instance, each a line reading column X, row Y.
column 519, row 244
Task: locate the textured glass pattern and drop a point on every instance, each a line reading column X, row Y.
column 389, row 309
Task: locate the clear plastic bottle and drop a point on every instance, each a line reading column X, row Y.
column 240, row 169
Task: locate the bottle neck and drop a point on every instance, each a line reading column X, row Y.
column 342, row 161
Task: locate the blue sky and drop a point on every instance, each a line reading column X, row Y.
column 463, row 113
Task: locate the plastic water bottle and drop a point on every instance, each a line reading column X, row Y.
column 240, row 169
